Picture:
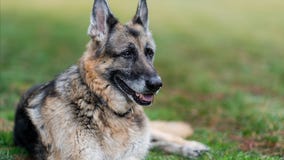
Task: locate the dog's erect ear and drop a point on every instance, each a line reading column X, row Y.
column 141, row 16
column 102, row 20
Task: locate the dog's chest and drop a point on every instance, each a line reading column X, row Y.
column 120, row 139
column 105, row 136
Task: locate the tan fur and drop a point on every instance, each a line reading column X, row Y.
column 179, row 129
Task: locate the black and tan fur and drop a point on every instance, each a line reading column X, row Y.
column 94, row 110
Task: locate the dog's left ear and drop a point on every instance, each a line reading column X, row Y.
column 102, row 21
column 141, row 16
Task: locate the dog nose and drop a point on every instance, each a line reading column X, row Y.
column 154, row 83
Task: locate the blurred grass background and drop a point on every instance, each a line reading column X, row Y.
column 221, row 63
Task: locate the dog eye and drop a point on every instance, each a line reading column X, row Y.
column 127, row 54
column 149, row 53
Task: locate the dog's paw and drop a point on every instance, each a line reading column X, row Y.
column 193, row 149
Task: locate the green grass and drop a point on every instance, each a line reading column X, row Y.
column 221, row 63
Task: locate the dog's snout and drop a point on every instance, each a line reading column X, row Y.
column 154, row 83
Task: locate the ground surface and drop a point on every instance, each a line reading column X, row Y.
column 221, row 63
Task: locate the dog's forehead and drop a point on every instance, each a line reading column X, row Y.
column 122, row 35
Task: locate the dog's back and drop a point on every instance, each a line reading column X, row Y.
column 25, row 133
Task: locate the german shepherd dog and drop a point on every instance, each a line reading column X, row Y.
column 94, row 110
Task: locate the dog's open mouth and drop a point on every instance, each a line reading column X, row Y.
column 140, row 98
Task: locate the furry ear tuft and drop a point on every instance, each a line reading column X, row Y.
column 101, row 21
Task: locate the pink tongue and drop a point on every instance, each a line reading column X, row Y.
column 147, row 98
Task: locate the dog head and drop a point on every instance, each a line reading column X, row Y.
column 123, row 54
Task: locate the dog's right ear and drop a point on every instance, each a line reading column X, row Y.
column 101, row 21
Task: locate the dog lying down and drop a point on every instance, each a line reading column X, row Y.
column 94, row 109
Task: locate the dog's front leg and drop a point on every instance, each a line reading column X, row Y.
column 173, row 143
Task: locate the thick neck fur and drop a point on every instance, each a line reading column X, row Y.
column 96, row 99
